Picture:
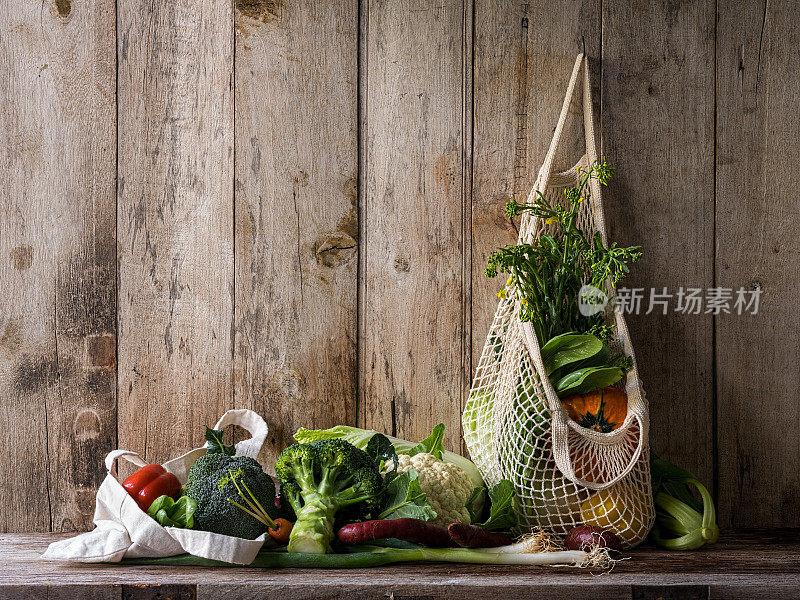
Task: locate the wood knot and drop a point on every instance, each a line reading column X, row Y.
column 64, row 8
column 401, row 265
column 101, row 350
column 335, row 249
column 86, row 425
column 260, row 10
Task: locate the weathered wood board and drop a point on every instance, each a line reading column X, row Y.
column 415, row 109
column 757, row 221
column 175, row 222
column 296, row 215
column 57, row 261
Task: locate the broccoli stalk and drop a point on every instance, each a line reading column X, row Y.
column 253, row 508
column 319, row 480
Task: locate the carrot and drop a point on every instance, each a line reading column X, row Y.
column 409, row 530
column 471, row 536
column 280, row 533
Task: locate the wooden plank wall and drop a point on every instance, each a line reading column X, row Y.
column 287, row 206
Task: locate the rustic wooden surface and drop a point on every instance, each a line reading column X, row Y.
column 758, row 248
column 287, row 206
column 57, row 243
column 175, row 216
column 744, row 565
column 296, row 218
column 416, row 119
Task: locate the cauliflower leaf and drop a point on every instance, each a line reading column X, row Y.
column 405, row 499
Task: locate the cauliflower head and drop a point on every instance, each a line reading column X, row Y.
column 448, row 487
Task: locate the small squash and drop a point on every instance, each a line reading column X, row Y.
column 602, row 410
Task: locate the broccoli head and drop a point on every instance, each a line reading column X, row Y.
column 320, row 479
column 223, row 487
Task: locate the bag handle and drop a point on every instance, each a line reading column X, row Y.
column 253, row 423
column 129, row 455
column 560, row 422
column 543, row 176
column 248, row 419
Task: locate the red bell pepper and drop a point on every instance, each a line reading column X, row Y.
column 150, row 482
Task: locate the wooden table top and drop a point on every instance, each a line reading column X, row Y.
column 744, row 564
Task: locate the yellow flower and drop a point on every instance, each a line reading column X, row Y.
column 550, row 221
column 524, row 302
column 509, row 281
column 501, row 294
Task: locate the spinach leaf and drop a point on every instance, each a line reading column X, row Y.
column 601, row 359
column 473, row 512
column 501, row 511
column 380, row 449
column 586, row 380
column 405, row 498
column 567, row 349
column 214, row 443
column 431, row 444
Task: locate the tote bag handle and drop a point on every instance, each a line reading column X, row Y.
column 561, row 424
column 580, row 71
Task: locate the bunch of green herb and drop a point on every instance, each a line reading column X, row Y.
column 548, row 274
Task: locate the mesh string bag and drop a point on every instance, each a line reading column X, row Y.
column 515, row 426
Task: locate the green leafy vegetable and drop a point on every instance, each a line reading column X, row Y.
column 548, row 274
column 214, row 443
column 682, row 522
column 569, row 348
column 581, row 363
column 472, row 505
column 380, row 449
column 588, row 379
column 361, row 437
column 406, row 499
column 601, row 359
column 431, row 444
column 173, row 513
column 501, row 510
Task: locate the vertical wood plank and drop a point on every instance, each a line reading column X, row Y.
column 415, row 109
column 521, row 74
column 296, row 214
column 658, row 131
column 758, row 92
column 57, row 261
column 175, row 221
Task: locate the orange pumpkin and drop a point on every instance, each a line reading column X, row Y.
column 601, row 410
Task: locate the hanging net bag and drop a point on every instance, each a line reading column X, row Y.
column 515, row 425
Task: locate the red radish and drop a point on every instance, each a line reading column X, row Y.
column 585, row 537
column 472, row 536
column 409, row 530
